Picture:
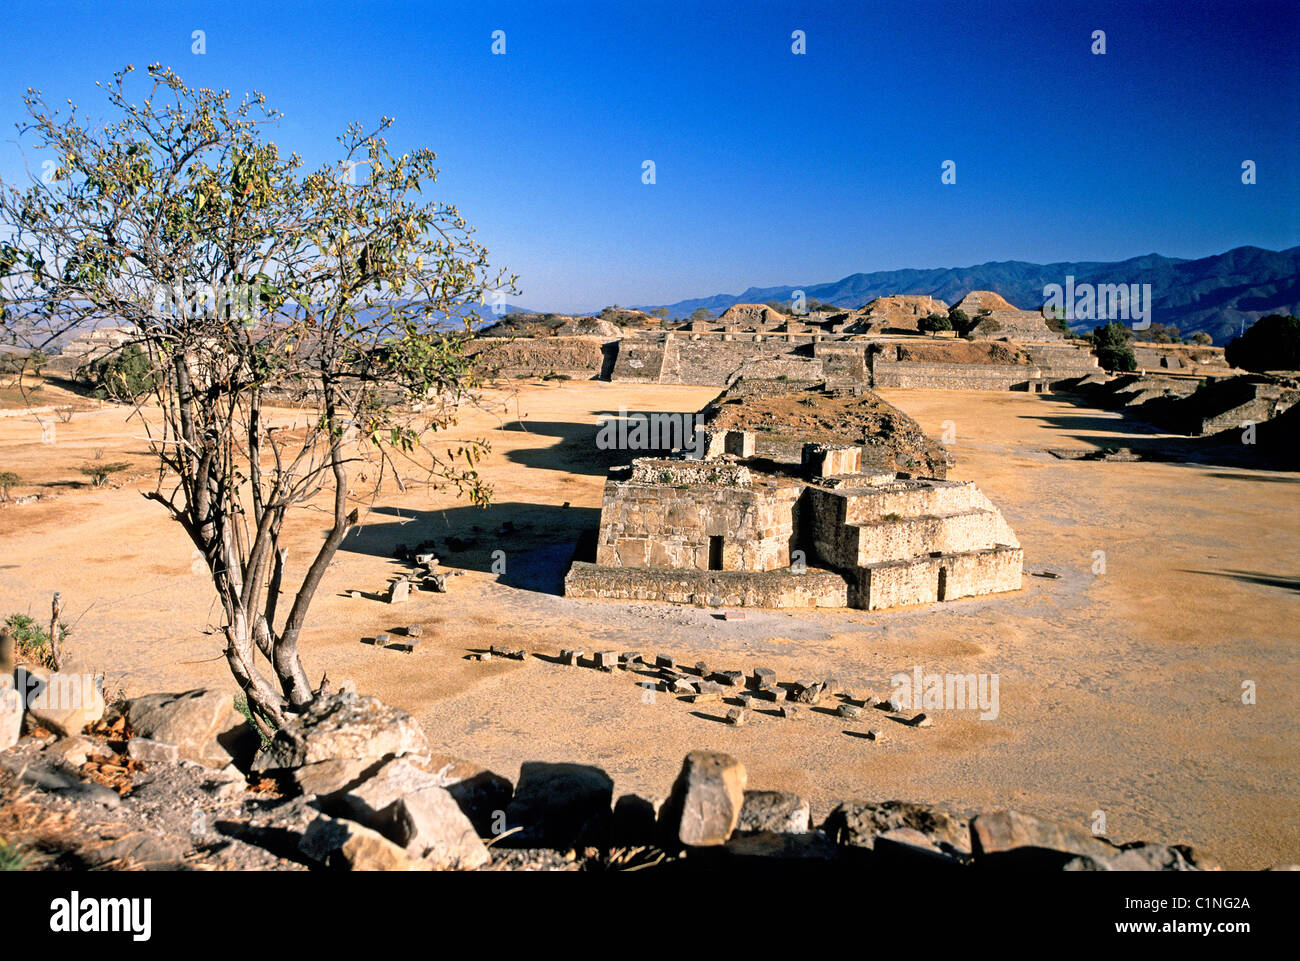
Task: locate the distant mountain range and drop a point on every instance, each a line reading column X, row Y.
column 1212, row 294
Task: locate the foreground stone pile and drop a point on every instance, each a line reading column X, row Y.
column 177, row 781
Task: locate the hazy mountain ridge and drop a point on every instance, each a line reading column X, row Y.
column 1213, row 294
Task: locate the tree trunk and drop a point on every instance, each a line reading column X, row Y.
column 56, row 652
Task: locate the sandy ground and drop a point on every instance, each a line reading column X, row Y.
column 1118, row 692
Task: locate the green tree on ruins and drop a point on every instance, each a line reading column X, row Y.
column 126, row 374
column 1111, row 345
column 341, row 291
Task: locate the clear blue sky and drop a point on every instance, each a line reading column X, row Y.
column 771, row 168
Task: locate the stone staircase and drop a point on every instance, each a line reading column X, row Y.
column 916, row 541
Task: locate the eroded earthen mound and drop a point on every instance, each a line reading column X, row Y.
column 751, row 315
column 901, row 311
column 891, row 439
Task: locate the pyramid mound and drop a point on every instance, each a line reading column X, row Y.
column 784, row 413
column 900, row 311
column 629, row 317
column 589, row 327
column 752, row 315
column 997, row 319
column 978, row 300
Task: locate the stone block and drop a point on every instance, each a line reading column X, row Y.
column 203, row 724
column 705, row 802
column 146, row 749
column 1011, row 837
column 63, row 703
column 347, row 846
column 778, row 811
column 342, row 726
column 11, row 713
column 399, row 591
column 859, row 823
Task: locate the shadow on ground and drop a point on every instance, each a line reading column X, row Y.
column 536, row 542
column 1282, row 581
column 572, row 447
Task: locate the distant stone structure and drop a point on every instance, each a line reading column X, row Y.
column 733, row 530
column 996, row 319
column 897, row 313
column 89, row 346
column 751, row 316
column 1233, row 403
column 1178, row 357
column 843, row 348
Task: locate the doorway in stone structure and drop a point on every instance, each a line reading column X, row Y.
column 715, row 553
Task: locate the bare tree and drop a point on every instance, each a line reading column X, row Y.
column 304, row 331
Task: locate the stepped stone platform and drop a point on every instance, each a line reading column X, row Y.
column 732, row 530
column 997, row 319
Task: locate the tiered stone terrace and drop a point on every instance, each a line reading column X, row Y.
column 719, row 532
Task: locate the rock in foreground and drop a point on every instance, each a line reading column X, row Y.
column 706, row 800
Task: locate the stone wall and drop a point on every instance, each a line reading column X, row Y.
column 926, row 580
column 711, row 360
column 719, row 358
column 887, row 373
column 928, row 497
column 776, row 448
column 668, row 472
column 1261, row 402
column 789, row 367
column 906, row 537
column 664, row 526
column 834, row 542
column 843, row 364
column 1023, row 326
column 893, row 529
column 1062, row 361
column 1177, row 357
column 579, row 358
column 775, row 589
column 639, row 361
